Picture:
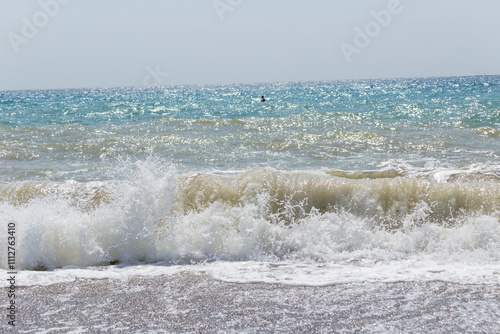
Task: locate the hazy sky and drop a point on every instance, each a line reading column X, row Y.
column 105, row 43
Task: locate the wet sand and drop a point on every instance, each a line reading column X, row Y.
column 198, row 304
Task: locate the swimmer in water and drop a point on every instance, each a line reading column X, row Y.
column 263, row 99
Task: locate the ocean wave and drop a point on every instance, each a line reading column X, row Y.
column 489, row 131
column 152, row 212
column 436, row 171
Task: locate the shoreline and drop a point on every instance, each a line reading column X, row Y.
column 195, row 303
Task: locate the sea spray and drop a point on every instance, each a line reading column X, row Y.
column 150, row 212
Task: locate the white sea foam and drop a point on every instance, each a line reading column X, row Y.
column 444, row 172
column 259, row 226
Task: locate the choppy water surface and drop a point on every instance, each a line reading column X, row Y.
column 325, row 182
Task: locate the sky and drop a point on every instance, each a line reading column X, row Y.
column 50, row 44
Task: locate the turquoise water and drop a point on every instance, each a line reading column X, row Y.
column 324, row 183
column 348, row 125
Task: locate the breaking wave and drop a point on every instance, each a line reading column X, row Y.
column 152, row 212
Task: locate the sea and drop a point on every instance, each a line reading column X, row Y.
column 333, row 206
